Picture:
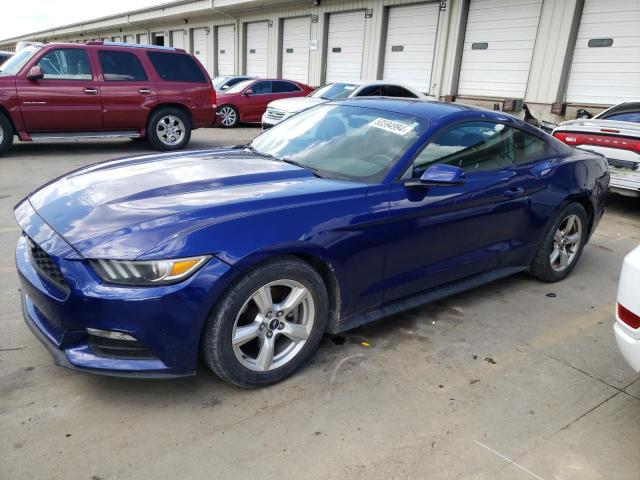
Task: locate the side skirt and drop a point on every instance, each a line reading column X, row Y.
column 429, row 296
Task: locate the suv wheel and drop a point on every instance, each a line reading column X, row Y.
column 6, row 134
column 229, row 116
column 268, row 324
column 562, row 245
column 169, row 129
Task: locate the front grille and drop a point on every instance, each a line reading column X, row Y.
column 630, row 164
column 46, row 267
column 275, row 114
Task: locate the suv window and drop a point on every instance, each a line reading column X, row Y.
column 261, row 87
column 121, row 66
column 66, row 64
column 175, row 67
column 396, row 91
column 284, row 87
column 370, row 91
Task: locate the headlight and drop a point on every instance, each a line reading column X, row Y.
column 147, row 272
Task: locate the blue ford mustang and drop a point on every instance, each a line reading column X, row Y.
column 341, row 215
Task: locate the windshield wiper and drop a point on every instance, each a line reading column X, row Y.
column 301, row 165
column 252, row 149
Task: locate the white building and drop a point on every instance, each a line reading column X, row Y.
column 553, row 54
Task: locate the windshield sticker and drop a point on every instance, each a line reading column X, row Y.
column 391, row 126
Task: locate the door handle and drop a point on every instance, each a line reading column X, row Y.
column 514, row 192
column 91, row 91
column 144, row 91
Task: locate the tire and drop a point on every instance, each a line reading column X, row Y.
column 6, row 134
column 570, row 225
column 169, row 129
column 239, row 316
column 230, row 115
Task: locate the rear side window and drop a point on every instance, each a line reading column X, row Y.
column 284, row 87
column 370, row 91
column 66, row 64
column 174, row 67
column 121, row 66
column 396, row 91
column 528, row 147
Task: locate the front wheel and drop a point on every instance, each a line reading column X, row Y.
column 169, row 129
column 562, row 244
column 229, row 116
column 268, row 325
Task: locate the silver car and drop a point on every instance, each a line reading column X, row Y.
column 278, row 110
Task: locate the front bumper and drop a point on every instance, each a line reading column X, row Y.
column 165, row 320
column 629, row 345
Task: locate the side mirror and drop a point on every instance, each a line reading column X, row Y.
column 36, row 73
column 439, row 175
column 248, row 92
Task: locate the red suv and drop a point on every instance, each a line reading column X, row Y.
column 104, row 90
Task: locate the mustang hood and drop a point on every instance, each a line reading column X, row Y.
column 122, row 208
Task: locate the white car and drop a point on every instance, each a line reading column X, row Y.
column 278, row 110
column 627, row 325
column 614, row 133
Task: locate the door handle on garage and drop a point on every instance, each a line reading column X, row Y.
column 514, row 192
column 91, row 91
column 144, row 91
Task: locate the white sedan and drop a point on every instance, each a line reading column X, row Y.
column 278, row 110
column 627, row 325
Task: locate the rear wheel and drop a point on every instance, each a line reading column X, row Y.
column 169, row 129
column 268, row 325
column 562, row 244
column 229, row 116
column 6, row 134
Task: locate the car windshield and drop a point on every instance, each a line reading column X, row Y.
column 238, row 87
column 342, row 141
column 15, row 63
column 334, row 91
column 218, row 81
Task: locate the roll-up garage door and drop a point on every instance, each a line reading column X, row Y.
column 498, row 47
column 410, row 44
column 226, row 50
column 296, row 35
column 345, row 46
column 606, row 61
column 129, row 39
column 143, row 38
column 201, row 46
column 177, row 38
column 257, row 49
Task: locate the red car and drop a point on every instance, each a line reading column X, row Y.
column 98, row 90
column 248, row 100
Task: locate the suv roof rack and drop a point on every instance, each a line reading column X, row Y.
column 133, row 45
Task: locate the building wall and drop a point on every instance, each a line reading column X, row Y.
column 549, row 65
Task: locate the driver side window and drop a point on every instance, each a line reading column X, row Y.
column 472, row 146
column 66, row 64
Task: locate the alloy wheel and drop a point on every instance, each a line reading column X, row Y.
column 228, row 116
column 273, row 325
column 170, row 130
column 566, row 243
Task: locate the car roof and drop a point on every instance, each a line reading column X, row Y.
column 107, row 44
column 421, row 108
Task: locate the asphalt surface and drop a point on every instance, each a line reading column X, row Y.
column 514, row 380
